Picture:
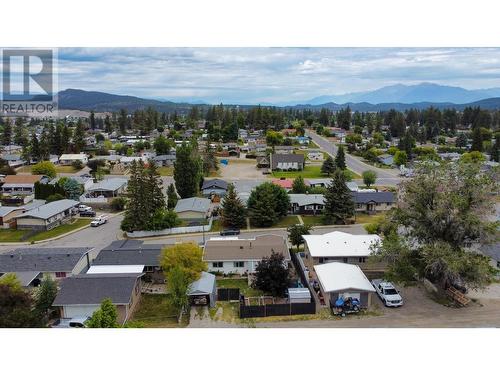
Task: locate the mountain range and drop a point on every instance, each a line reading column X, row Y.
column 400, row 97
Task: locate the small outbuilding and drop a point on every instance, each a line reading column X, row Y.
column 299, row 295
column 203, row 291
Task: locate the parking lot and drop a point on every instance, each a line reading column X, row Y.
column 240, row 169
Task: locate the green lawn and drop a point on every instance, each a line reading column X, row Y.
column 241, row 284
column 312, row 171
column 11, row 235
column 154, row 311
column 61, row 229
column 166, row 171
column 313, row 220
column 365, row 218
column 216, row 226
column 65, row 169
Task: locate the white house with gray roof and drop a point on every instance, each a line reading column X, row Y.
column 48, row 216
column 193, row 208
column 306, row 204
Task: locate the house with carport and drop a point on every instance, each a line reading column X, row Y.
column 47, row 216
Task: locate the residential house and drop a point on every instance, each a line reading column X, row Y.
column 8, row 214
column 263, row 162
column 233, row 255
column 67, row 159
column 386, row 159
column 340, row 247
column 14, row 160
column 285, row 183
column 165, row 160
column 81, row 295
column 109, row 188
column 284, row 150
column 306, row 204
column 193, row 208
column 373, row 201
column 214, row 187
column 287, row 162
column 133, row 253
column 48, row 216
column 31, row 265
column 22, row 184
column 126, row 161
column 343, row 280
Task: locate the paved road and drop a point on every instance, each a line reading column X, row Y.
column 385, row 176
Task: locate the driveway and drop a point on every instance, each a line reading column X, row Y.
column 389, row 176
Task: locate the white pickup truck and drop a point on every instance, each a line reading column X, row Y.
column 387, row 293
column 100, row 220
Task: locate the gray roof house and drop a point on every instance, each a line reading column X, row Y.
column 81, row 295
column 373, row 201
column 287, row 162
column 31, row 264
column 192, row 208
column 108, row 188
column 164, row 160
column 306, row 204
column 48, row 216
column 214, row 187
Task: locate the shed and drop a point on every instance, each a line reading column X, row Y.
column 299, row 295
column 204, row 290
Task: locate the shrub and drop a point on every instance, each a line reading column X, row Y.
column 118, row 203
column 54, row 197
column 45, row 168
column 77, row 164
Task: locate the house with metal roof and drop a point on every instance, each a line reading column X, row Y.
column 241, row 255
column 8, row 214
column 48, row 216
column 30, row 265
column 372, row 201
column 67, row 159
column 306, row 204
column 193, row 208
column 81, row 295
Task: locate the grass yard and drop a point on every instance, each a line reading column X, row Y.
column 312, row 171
column 11, row 235
column 365, row 218
column 312, row 220
column 216, row 226
column 61, row 229
column 166, row 171
column 65, row 169
column 155, row 311
column 241, row 284
column 286, row 221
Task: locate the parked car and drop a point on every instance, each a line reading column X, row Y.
column 388, row 293
column 89, row 213
column 343, row 306
column 76, row 322
column 229, row 232
column 83, row 207
column 100, row 220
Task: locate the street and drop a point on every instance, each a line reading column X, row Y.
column 384, row 176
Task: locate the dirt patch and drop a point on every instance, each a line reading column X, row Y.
column 240, row 169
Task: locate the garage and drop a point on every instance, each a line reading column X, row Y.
column 203, row 291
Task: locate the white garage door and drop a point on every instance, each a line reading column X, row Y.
column 74, row 311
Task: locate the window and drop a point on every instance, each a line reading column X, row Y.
column 217, row 264
column 239, row 264
column 309, row 207
column 60, row 274
column 362, row 260
column 321, row 260
column 344, row 260
column 149, row 269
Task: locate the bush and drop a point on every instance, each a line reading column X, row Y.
column 118, row 204
column 54, row 197
column 45, row 168
column 77, row 164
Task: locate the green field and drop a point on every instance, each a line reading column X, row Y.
column 11, row 235
column 166, row 171
column 61, row 229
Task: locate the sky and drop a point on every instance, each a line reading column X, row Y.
column 269, row 75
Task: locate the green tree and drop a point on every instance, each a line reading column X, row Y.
column 79, row 137
column 45, row 295
column 340, row 158
column 369, row 177
column 299, row 186
column 45, row 168
column 461, row 140
column 185, row 256
column 172, row 197
column 232, row 210
column 267, row 204
column 7, row 132
column 400, row 158
column 187, row 171
column 72, row 188
column 210, row 162
column 473, row 157
column 11, row 280
column 178, row 283
column 274, row 138
column 477, row 140
column 328, row 167
column 444, row 208
column 271, row 276
column 162, row 145
column 104, row 317
column 339, row 204
column 16, row 306
column 295, row 233
column 118, row 203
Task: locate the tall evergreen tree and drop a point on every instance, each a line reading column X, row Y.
column 187, row 170
column 328, row 167
column 339, row 203
column 299, row 186
column 477, row 140
column 20, row 137
column 79, row 137
column 34, row 147
column 172, row 197
column 7, row 132
column 232, row 211
column 340, row 158
column 92, row 120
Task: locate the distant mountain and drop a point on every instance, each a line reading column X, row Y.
column 407, row 94
column 103, row 102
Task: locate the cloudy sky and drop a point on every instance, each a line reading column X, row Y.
column 270, row 75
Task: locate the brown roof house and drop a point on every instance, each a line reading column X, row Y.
column 21, row 184
column 241, row 255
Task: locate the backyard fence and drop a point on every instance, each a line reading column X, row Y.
column 176, row 230
column 278, row 309
column 228, row 294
